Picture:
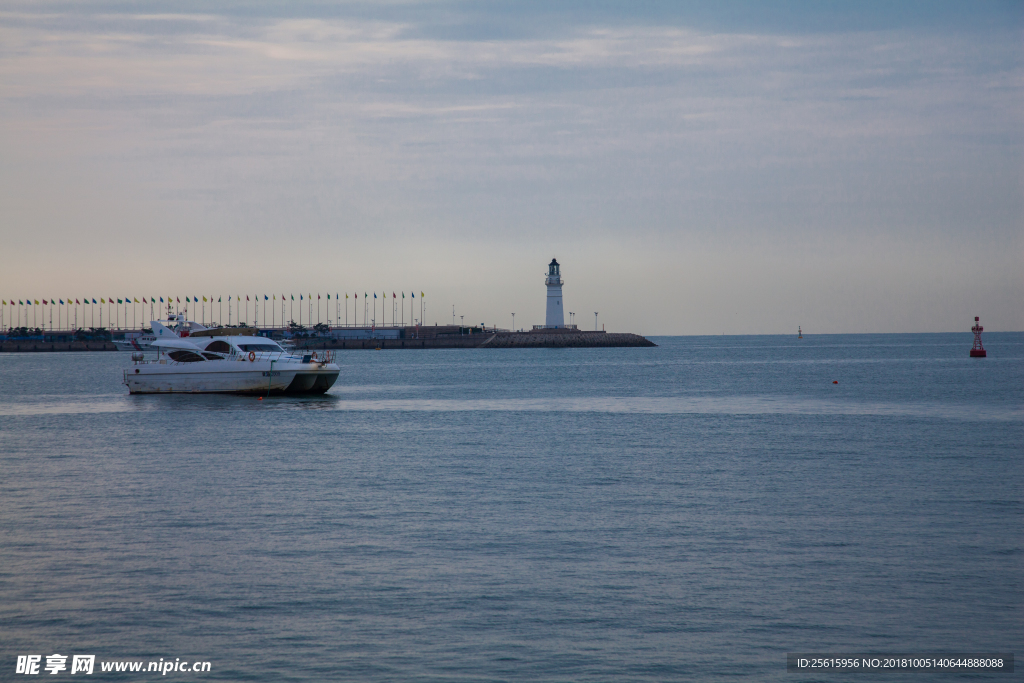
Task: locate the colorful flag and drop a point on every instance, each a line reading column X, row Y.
column 422, row 295
column 37, row 301
column 102, row 300
column 204, row 300
column 218, row 299
column 300, row 298
column 412, row 294
column 247, row 298
column 44, row 302
column 375, row 295
column 328, row 297
column 393, row 295
column 137, row 301
column 346, row 297
column 293, row 297
column 266, row 298
column 403, row 294
column 94, row 300
column 144, row 300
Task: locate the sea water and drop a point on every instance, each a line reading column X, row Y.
column 687, row 512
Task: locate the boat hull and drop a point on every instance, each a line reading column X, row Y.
column 226, row 377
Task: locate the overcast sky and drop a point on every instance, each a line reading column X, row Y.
column 846, row 167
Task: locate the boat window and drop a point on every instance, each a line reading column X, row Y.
column 259, row 347
column 185, row 357
column 219, row 346
column 212, row 356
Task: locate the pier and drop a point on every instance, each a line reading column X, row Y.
column 435, row 337
column 455, row 337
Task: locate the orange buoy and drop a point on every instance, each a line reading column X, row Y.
column 835, row 381
column 260, row 398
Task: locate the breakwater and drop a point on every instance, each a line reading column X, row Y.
column 31, row 345
column 550, row 339
column 443, row 337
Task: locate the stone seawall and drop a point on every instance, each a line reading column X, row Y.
column 546, row 339
column 549, row 339
column 40, row 346
column 566, row 340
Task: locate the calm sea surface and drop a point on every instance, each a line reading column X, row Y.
column 688, row 512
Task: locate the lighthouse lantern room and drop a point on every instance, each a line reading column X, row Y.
column 555, row 317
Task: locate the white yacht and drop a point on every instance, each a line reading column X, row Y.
column 205, row 361
column 135, row 342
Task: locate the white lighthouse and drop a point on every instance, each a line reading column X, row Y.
column 555, row 317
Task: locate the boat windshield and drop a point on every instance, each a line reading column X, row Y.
column 185, row 357
column 265, row 346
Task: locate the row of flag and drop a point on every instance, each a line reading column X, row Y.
column 172, row 300
column 153, row 299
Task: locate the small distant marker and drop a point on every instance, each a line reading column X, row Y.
column 977, row 351
column 260, row 398
column 799, row 332
column 835, row 381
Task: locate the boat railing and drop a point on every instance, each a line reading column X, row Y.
column 320, row 356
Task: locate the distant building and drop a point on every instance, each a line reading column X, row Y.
column 555, row 317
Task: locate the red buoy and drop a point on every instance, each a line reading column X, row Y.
column 977, row 351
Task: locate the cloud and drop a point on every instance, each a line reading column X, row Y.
column 643, row 139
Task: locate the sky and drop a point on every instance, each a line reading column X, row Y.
column 696, row 168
